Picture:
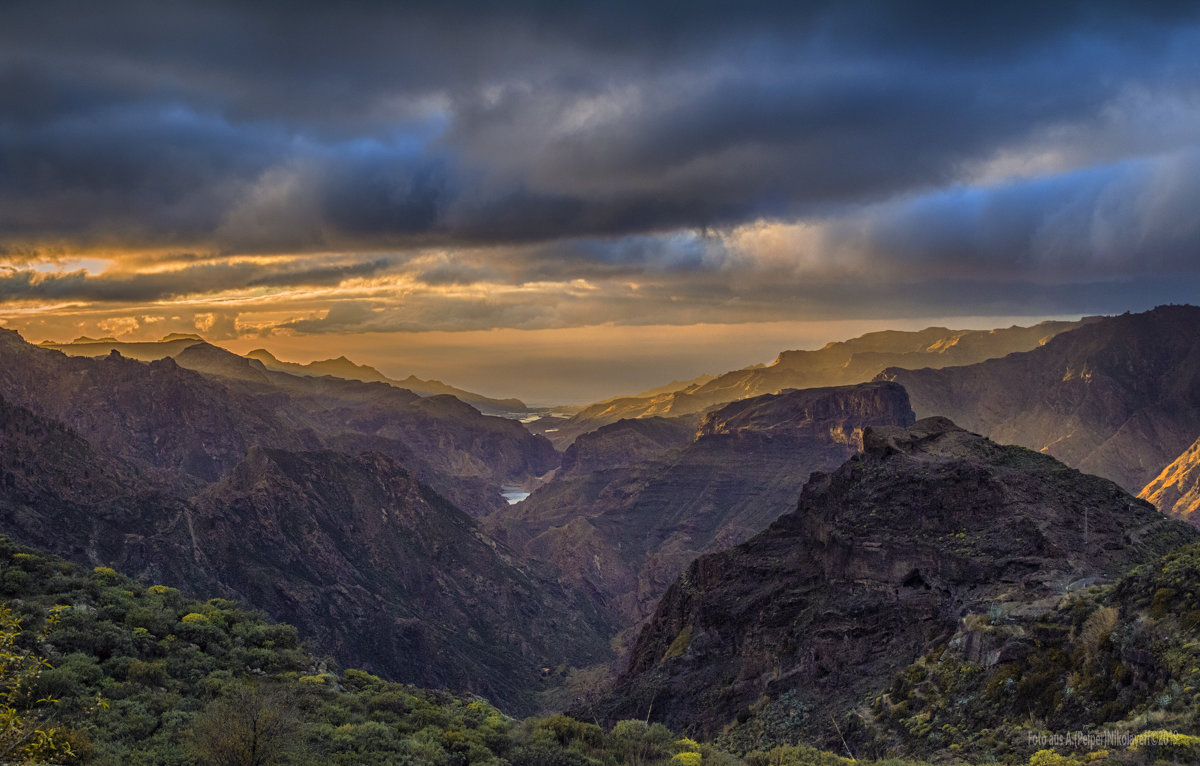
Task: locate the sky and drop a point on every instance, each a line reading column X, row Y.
column 554, row 199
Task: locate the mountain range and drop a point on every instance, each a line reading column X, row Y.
column 341, row 367
column 836, row 364
column 778, row 551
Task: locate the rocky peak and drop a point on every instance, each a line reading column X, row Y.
column 935, row 436
column 875, row 567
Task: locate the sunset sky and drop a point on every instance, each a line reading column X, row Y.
column 562, row 201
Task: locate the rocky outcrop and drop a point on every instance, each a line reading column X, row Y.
column 627, row 532
column 873, row 569
column 1176, row 491
column 1119, row 397
column 842, row 363
column 625, row 444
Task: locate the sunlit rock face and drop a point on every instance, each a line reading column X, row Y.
column 1176, row 491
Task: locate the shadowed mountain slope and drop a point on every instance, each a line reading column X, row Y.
column 341, row 367
column 1119, row 397
column 371, row 565
column 382, row 570
column 198, row 423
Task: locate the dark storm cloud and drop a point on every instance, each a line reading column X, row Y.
column 272, row 127
column 79, row 285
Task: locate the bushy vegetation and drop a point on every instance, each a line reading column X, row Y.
column 99, row 669
column 113, row 672
column 1123, row 659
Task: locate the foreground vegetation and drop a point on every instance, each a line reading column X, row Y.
column 99, row 669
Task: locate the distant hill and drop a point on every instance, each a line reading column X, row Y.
column 176, row 343
column 342, row 367
column 836, row 364
column 1119, row 397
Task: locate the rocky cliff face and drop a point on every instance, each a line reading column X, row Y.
column 844, row 363
column 625, row 533
column 1119, row 397
column 1176, row 491
column 625, row 444
column 876, row 566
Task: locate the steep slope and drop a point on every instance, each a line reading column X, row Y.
column 451, row 445
column 1176, row 491
column 385, row 573
column 843, row 363
column 874, row 569
column 157, row 415
column 626, row 532
column 1119, row 397
column 58, row 493
column 625, row 443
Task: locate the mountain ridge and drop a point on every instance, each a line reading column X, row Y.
column 836, row 363
column 1119, row 397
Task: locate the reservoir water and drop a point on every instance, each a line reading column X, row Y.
column 513, row 494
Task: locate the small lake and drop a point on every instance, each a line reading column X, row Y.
column 513, row 495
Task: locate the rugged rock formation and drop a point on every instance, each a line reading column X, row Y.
column 1176, row 491
column 1119, row 398
column 627, row 532
column 874, row 568
column 847, row 362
